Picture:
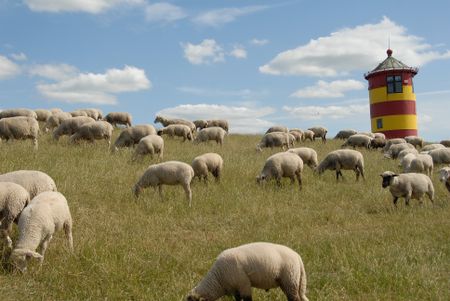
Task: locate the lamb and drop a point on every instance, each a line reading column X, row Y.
column 13, row 198
column 56, row 119
column 346, row 159
column 261, row 264
column 42, row 115
column 46, row 214
column 275, row 139
column 277, row 128
column 358, row 140
column 209, row 162
column 132, row 135
column 218, row 122
column 93, row 131
column 33, row 181
column 440, row 155
column 408, row 185
column 179, row 130
column 377, row 142
column 345, row 134
column 166, row 121
column 433, row 146
column 116, row 118
column 414, row 140
column 17, row 112
column 297, row 133
column 20, row 127
column 393, row 141
column 166, row 173
column 444, row 176
column 151, row 144
column 319, row 132
column 445, row 143
column 70, row 126
column 279, row 165
column 78, row 113
column 200, row 124
column 422, row 163
column 308, row 155
column 395, row 149
column 211, row 133
column 308, row 134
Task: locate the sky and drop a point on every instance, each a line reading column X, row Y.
column 256, row 63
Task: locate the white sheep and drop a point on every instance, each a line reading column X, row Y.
column 408, row 185
column 308, row 134
column 166, row 173
column 93, row 131
column 209, row 162
column 17, row 112
column 282, row 165
column 20, row 127
column 116, row 118
column 200, row 124
column 358, row 140
column 377, row 142
column 406, row 151
column 42, row 114
column 218, row 122
column 297, row 133
column 395, row 149
column 46, row 214
column 179, row 130
column 343, row 159
column 211, row 133
column 13, row 198
column 319, row 132
column 444, row 176
column 168, row 121
column 379, row 135
column 392, row 141
column 78, row 113
column 405, row 162
column 93, row 113
column 151, row 144
column 422, row 163
column 70, row 126
column 56, row 119
column 33, row 181
column 308, row 155
column 433, row 146
column 368, row 134
column 132, row 135
column 345, row 134
column 277, row 128
column 440, row 155
column 262, row 265
column 415, row 140
column 274, row 139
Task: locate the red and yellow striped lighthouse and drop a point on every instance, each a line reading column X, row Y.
column 392, row 98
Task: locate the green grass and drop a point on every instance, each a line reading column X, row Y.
column 354, row 243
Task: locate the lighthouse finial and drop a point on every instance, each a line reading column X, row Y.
column 389, row 50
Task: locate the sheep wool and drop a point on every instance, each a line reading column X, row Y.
column 151, row 144
column 440, row 155
column 116, row 118
column 70, row 126
column 358, row 140
column 218, row 122
column 343, row 159
column 20, row 127
column 93, row 131
column 344, row 134
column 274, row 139
column 211, row 133
column 179, row 130
column 308, row 155
column 444, row 176
column 33, row 181
column 279, row 165
column 319, row 132
column 209, row 162
column 277, row 128
column 132, row 135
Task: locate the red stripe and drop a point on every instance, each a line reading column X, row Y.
column 399, row 133
column 402, row 107
column 379, row 80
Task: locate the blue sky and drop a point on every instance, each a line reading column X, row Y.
column 255, row 63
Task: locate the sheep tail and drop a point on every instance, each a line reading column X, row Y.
column 302, row 286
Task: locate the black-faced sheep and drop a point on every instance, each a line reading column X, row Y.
column 211, row 133
column 209, row 162
column 116, row 118
column 444, row 176
column 343, row 159
column 20, row 127
column 262, row 265
column 282, row 165
column 132, row 135
column 93, row 131
column 308, row 155
column 179, row 130
column 34, row 181
column 151, row 145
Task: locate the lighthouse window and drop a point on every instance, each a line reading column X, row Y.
column 394, row 84
column 379, row 123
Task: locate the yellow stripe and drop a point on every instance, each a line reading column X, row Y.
column 395, row 122
column 380, row 95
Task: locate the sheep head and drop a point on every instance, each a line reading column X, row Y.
column 387, row 176
column 20, row 257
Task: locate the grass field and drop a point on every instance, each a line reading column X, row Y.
column 354, row 243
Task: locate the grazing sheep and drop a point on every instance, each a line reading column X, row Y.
column 445, row 143
column 275, row 139
column 200, row 124
column 78, row 113
column 308, row 134
column 379, row 135
column 218, row 122
column 377, row 142
column 166, row 173
column 343, row 159
column 46, row 214
column 209, row 162
column 93, row 131
column 308, row 155
column 393, row 141
column 368, row 134
column 70, row 126
column 93, row 113
column 17, row 112
column 33, row 181
column 20, row 127
column 395, row 149
column 405, row 162
column 292, row 140
column 406, row 151
column 408, row 185
column 319, row 132
column 13, row 198
column 444, row 176
column 211, row 133
column 440, row 155
column 414, row 140
column 345, row 134
column 56, row 119
column 262, row 265
column 282, row 165
column 358, row 140
column 422, row 163
column 179, row 130
column 42, row 115
column 132, row 135
column 297, row 133
column 151, row 144
column 277, row 128
column 116, row 118
column 166, row 121
column 430, row 147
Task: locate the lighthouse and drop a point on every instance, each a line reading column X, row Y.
column 392, row 98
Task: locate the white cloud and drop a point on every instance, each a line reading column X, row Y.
column 88, row 6
column 259, row 42
column 334, row 89
column 97, row 88
column 226, row 15
column 243, row 93
column 359, row 48
column 56, row 72
column 246, row 120
column 239, row 52
column 164, row 12
column 326, row 112
column 208, row 51
column 8, row 68
column 19, row 56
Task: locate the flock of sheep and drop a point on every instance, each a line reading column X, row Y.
column 30, row 197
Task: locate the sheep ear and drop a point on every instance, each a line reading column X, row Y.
column 32, row 254
column 395, row 175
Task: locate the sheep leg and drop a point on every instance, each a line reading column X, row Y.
column 160, row 191
column 68, row 232
column 395, row 200
column 188, row 191
column 407, row 198
column 299, row 179
column 5, row 229
column 357, row 173
column 43, row 248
